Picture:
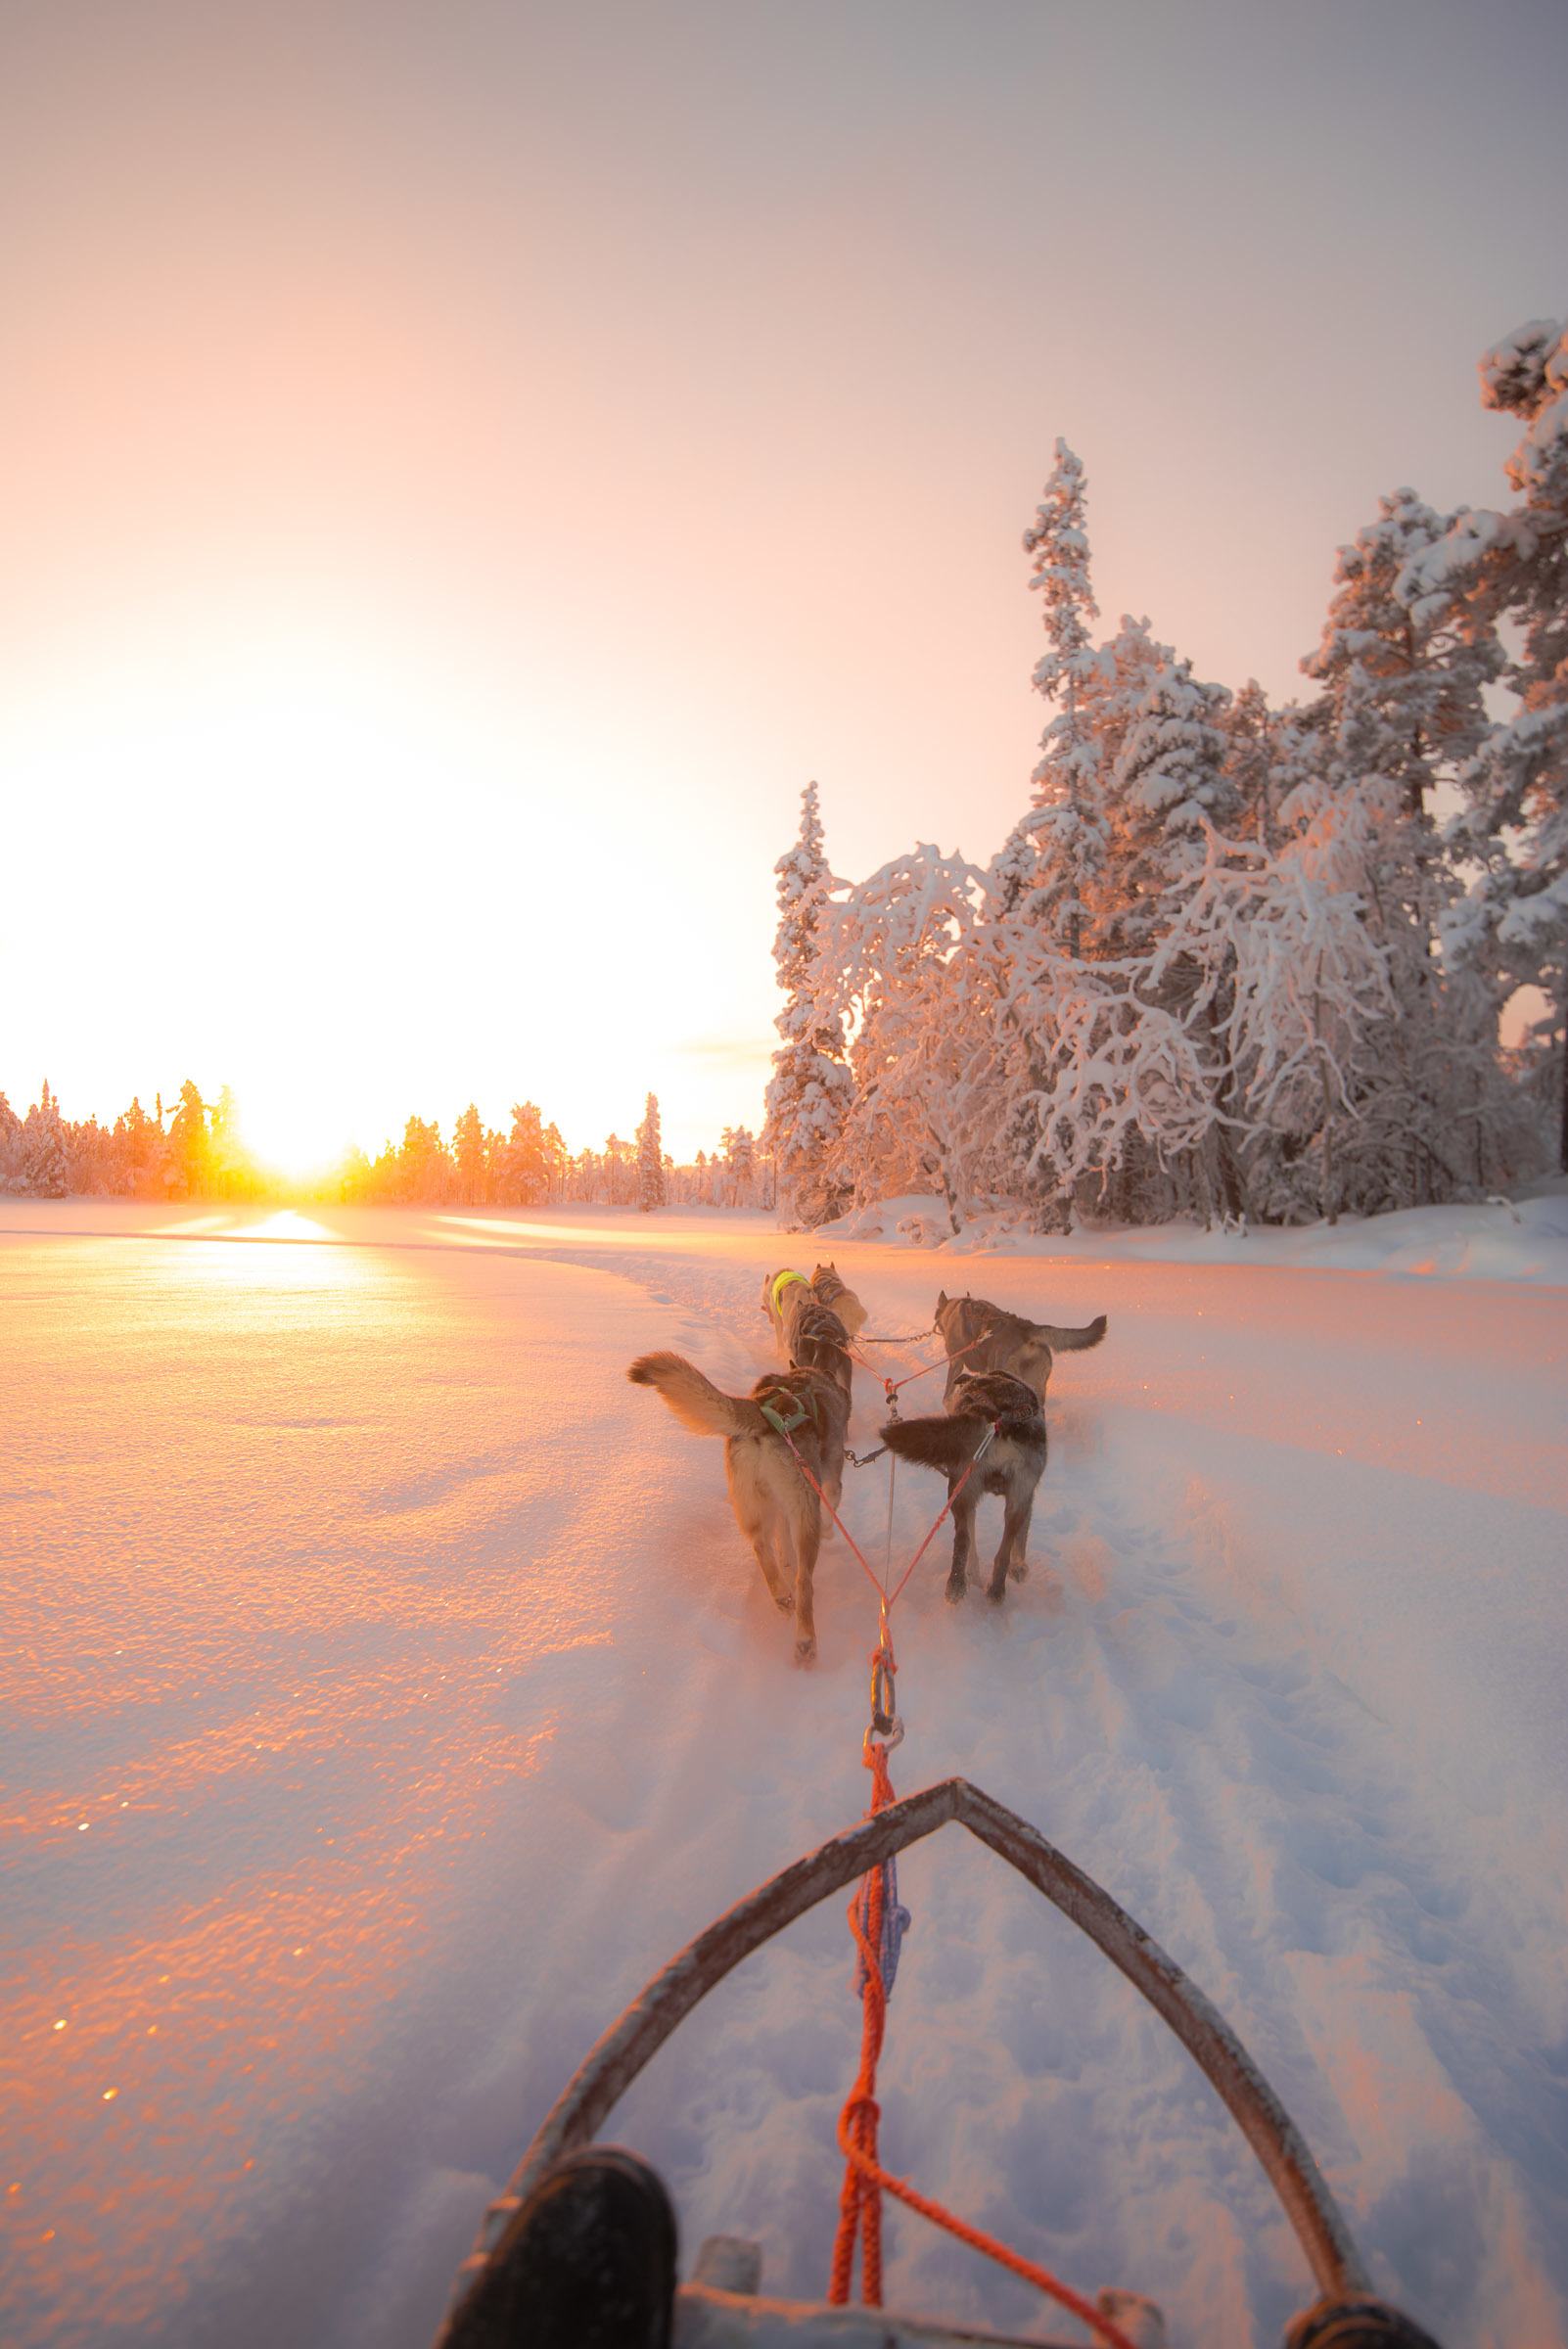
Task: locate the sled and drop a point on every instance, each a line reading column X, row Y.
column 722, row 2306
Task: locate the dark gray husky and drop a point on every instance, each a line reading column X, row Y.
column 982, row 1336
column 980, row 1404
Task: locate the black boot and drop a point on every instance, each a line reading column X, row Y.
column 587, row 2263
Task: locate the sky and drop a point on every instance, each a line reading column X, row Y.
column 467, row 466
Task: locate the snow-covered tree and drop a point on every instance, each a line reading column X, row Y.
column 1168, row 788
column 651, row 1189
column 899, row 967
column 45, row 1158
column 523, row 1165
column 188, row 1155
column 1512, row 567
column 470, row 1156
column 738, row 1176
column 1055, row 853
column 1310, row 992
column 10, row 1147
column 1255, row 756
column 809, row 1092
column 422, row 1173
column 1402, row 711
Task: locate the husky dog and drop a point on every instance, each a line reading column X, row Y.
column 986, row 1337
column 1013, row 1464
column 810, row 1334
column 831, row 1292
column 775, row 1507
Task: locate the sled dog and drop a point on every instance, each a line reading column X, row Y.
column 1013, row 1464
column 986, row 1337
column 832, row 1292
column 775, row 1507
column 810, row 1334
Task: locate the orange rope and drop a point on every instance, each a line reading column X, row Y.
column 878, row 1586
column 891, row 1386
column 861, row 2201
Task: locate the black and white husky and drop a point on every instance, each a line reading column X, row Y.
column 997, row 1422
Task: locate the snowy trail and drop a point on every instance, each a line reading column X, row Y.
column 438, row 1662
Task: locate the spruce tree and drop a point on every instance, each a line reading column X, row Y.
column 810, row 1091
column 189, row 1159
column 10, row 1147
column 469, row 1155
column 45, row 1159
column 652, row 1188
column 1053, row 857
column 1402, row 708
column 1512, row 567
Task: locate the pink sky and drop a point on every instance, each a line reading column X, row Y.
column 466, row 469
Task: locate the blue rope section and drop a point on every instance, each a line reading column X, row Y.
column 895, row 1923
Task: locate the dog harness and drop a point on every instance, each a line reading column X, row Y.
column 805, row 1409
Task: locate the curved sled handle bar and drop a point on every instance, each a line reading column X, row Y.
column 610, row 2068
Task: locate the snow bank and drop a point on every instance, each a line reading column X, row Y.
column 1524, row 1238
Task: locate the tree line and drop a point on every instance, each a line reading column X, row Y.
column 1233, row 960
column 196, row 1150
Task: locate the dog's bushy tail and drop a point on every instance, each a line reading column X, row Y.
column 1069, row 1341
column 948, row 1444
column 695, row 1401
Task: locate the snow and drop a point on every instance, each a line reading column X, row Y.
column 1519, row 1238
column 388, row 1697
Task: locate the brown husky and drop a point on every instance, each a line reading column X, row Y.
column 810, row 1335
column 1012, row 1465
column 775, row 1507
column 986, row 1337
column 832, row 1292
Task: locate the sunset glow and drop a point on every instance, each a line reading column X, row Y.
column 438, row 550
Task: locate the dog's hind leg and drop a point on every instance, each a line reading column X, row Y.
column 806, row 1523
column 1010, row 1558
column 758, row 1518
column 963, row 1543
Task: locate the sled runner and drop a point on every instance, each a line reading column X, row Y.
column 578, row 2221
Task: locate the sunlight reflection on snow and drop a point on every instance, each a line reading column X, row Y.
column 257, row 1727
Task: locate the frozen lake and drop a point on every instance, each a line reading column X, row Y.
column 386, row 1695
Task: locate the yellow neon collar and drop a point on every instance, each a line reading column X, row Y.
column 783, row 1282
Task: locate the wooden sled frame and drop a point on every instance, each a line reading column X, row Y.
column 610, row 2068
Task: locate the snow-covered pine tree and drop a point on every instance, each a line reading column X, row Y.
column 1311, row 995
column 423, row 1171
column 45, row 1159
column 1512, row 567
column 10, row 1147
column 469, row 1156
column 189, row 1157
column 898, row 966
column 1402, row 708
column 1054, row 856
column 1170, row 805
column 809, row 1092
column 523, row 1172
column 740, row 1166
column 229, row 1173
column 1253, row 762
column 651, row 1189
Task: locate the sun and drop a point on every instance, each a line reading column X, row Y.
column 290, row 1132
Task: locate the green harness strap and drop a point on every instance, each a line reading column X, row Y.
column 804, row 1409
